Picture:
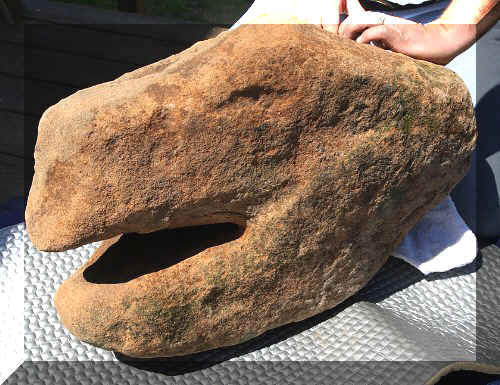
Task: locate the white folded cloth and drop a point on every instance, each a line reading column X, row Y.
column 441, row 241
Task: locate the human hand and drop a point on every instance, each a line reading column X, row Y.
column 435, row 42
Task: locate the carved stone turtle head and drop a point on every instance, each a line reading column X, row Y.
column 270, row 170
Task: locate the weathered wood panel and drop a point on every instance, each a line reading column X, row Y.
column 78, row 71
column 11, row 93
column 75, row 13
column 12, row 62
column 17, row 134
column 131, row 24
column 12, row 177
column 12, row 33
column 105, row 45
column 40, row 95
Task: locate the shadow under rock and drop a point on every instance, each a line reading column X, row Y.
column 394, row 276
column 464, row 270
column 135, row 255
column 173, row 366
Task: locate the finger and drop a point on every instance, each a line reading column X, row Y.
column 352, row 31
column 342, row 7
column 378, row 33
column 354, row 25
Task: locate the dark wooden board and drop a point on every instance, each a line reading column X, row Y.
column 41, row 95
column 72, row 70
column 186, row 34
column 13, row 33
column 31, row 97
column 12, row 62
column 11, row 177
column 132, row 24
column 30, row 135
column 29, row 171
column 74, row 13
column 17, row 134
column 11, row 93
column 100, row 44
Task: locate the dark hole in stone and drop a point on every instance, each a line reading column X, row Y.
column 139, row 254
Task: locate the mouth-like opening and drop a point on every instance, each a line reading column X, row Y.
column 135, row 254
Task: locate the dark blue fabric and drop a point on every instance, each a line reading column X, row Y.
column 12, row 212
column 477, row 196
column 422, row 14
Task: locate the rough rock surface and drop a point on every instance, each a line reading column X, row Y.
column 322, row 152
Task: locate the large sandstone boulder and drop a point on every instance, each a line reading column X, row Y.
column 321, row 153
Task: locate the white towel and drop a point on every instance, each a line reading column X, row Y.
column 441, row 241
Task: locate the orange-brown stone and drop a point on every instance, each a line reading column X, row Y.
column 322, row 152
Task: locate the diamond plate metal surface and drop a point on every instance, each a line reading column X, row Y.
column 402, row 325
column 380, row 324
column 11, row 299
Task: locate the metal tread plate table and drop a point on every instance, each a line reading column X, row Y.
column 402, row 328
